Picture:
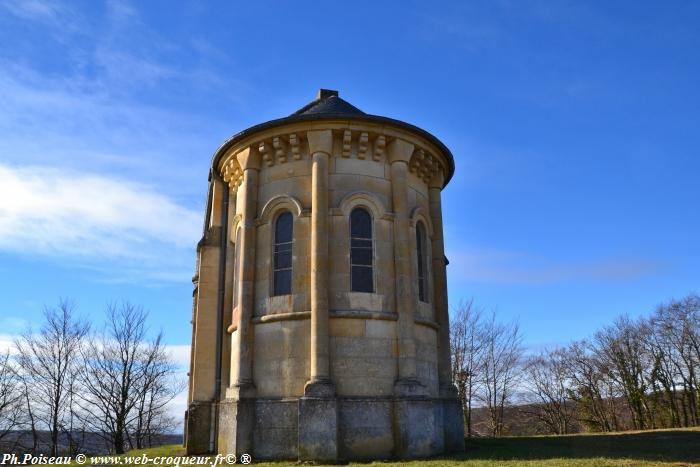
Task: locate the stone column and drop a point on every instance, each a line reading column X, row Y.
column 237, row 413
column 250, row 164
column 318, row 410
column 453, row 421
column 203, row 366
column 399, row 153
column 230, row 295
column 414, row 413
column 320, row 364
column 440, row 282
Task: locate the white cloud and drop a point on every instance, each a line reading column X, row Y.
column 180, row 353
column 496, row 266
column 181, row 356
column 93, row 219
column 7, row 343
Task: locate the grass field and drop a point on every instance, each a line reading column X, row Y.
column 676, row 447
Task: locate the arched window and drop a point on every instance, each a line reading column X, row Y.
column 361, row 255
column 282, row 266
column 421, row 250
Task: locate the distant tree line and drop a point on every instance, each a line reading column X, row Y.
column 633, row 374
column 76, row 382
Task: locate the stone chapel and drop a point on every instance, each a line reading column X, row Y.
column 320, row 325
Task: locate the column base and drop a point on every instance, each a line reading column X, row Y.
column 318, row 422
column 237, row 419
column 236, row 425
column 418, row 421
column 452, row 418
column 453, row 425
column 198, row 428
column 242, row 390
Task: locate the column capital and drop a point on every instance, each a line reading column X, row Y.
column 320, row 141
column 399, row 151
column 249, row 158
column 437, row 180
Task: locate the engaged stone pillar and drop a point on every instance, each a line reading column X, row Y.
column 320, row 144
column 413, row 413
column 453, row 423
column 238, row 412
column 440, row 283
column 250, row 164
column 203, row 366
column 399, row 153
column 318, row 410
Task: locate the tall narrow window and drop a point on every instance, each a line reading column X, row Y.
column 422, row 263
column 282, row 274
column 361, row 277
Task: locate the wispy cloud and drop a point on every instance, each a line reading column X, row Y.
column 508, row 267
column 93, row 218
column 41, row 11
column 107, row 102
column 97, row 170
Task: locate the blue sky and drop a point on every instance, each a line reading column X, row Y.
column 574, row 127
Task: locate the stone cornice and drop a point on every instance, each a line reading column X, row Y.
column 322, row 121
column 357, row 140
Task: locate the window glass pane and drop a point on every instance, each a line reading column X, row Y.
column 283, row 228
column 282, row 261
column 283, row 282
column 361, row 256
column 360, row 224
column 360, row 243
column 361, row 251
column 283, row 247
column 362, row 279
column 422, row 262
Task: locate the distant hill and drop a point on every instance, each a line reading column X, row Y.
column 86, row 442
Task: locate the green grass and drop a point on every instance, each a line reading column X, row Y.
column 676, row 447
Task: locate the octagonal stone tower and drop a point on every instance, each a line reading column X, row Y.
column 320, row 325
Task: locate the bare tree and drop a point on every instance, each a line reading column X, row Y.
column 467, row 350
column 125, row 379
column 11, row 398
column 622, row 347
column 547, row 383
column 591, row 388
column 502, row 365
column 676, row 333
column 159, row 386
column 49, row 363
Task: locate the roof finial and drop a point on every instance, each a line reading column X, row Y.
column 326, row 93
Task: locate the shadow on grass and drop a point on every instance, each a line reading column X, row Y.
column 670, row 446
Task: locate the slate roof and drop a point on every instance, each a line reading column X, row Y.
column 329, row 105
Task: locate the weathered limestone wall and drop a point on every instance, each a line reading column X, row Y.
column 426, row 357
column 363, row 356
column 352, row 182
column 281, row 364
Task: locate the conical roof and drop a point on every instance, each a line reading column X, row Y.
column 329, row 106
column 328, row 102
